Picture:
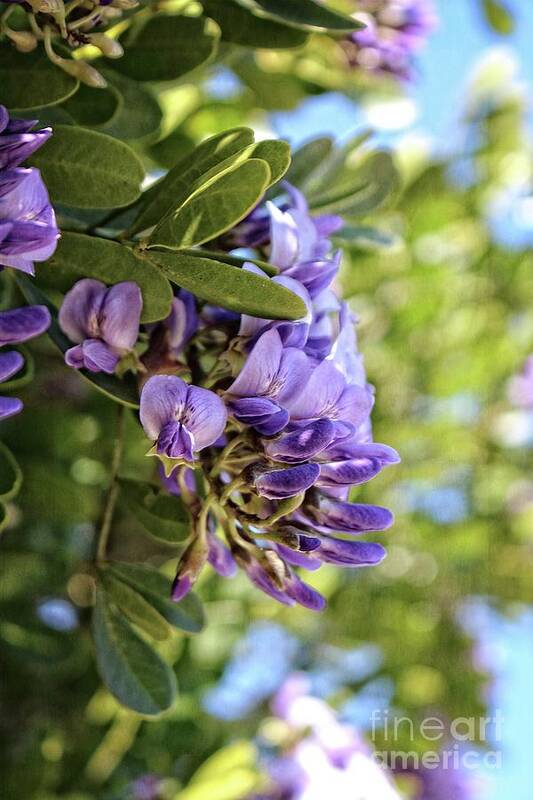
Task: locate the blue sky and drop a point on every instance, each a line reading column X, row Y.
column 445, row 66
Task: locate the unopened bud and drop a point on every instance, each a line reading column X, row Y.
column 109, row 47
column 108, row 12
column 24, row 41
column 84, row 73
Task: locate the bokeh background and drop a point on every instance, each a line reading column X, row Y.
column 445, row 300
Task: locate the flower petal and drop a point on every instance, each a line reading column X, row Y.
column 9, row 406
column 10, row 364
column 162, row 400
column 345, row 553
column 260, row 369
column 204, row 415
column 79, row 312
column 279, row 484
column 120, row 315
column 303, row 443
column 21, row 324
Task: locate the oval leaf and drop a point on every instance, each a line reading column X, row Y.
column 136, row 608
column 164, row 48
column 155, row 587
column 230, row 287
column 80, row 256
column 93, row 108
column 30, row 80
column 240, row 26
column 308, row 15
column 132, row 671
column 123, row 391
column 139, row 115
column 86, row 169
column 367, row 189
column 211, row 211
column 162, row 515
column 174, row 188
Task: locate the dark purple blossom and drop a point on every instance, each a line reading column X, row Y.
column 103, row 322
column 16, row 326
column 180, row 418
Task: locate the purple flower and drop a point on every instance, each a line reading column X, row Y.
column 17, row 141
column 520, row 389
column 270, row 378
column 395, row 31
column 180, row 418
column 169, row 337
column 328, row 514
column 104, row 323
column 18, row 325
column 278, row 484
column 28, row 230
column 299, row 243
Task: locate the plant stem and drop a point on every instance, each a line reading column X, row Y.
column 112, row 494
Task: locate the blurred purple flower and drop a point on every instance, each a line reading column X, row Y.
column 520, row 389
column 16, row 326
column 395, row 31
column 104, row 323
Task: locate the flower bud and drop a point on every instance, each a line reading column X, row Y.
column 24, row 41
column 108, row 46
column 84, row 73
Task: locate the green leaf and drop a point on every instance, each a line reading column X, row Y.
column 363, row 191
column 214, row 209
column 3, row 517
column 499, row 17
column 276, row 153
column 162, row 515
column 10, row 474
column 30, row 80
column 156, row 588
column 174, row 188
column 130, row 668
column 305, row 14
column 230, row 287
column 334, row 165
column 86, row 169
column 163, row 47
column 123, row 391
column 167, row 151
column 140, row 114
column 135, row 607
column 94, row 107
column 239, row 26
column 80, row 256
column 307, row 159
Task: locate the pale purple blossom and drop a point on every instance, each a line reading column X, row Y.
column 181, row 419
column 103, row 322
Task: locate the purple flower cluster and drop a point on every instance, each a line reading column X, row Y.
column 322, row 757
column 28, row 230
column 27, row 233
column 395, row 32
column 279, row 425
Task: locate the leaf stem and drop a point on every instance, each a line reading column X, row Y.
column 112, row 494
